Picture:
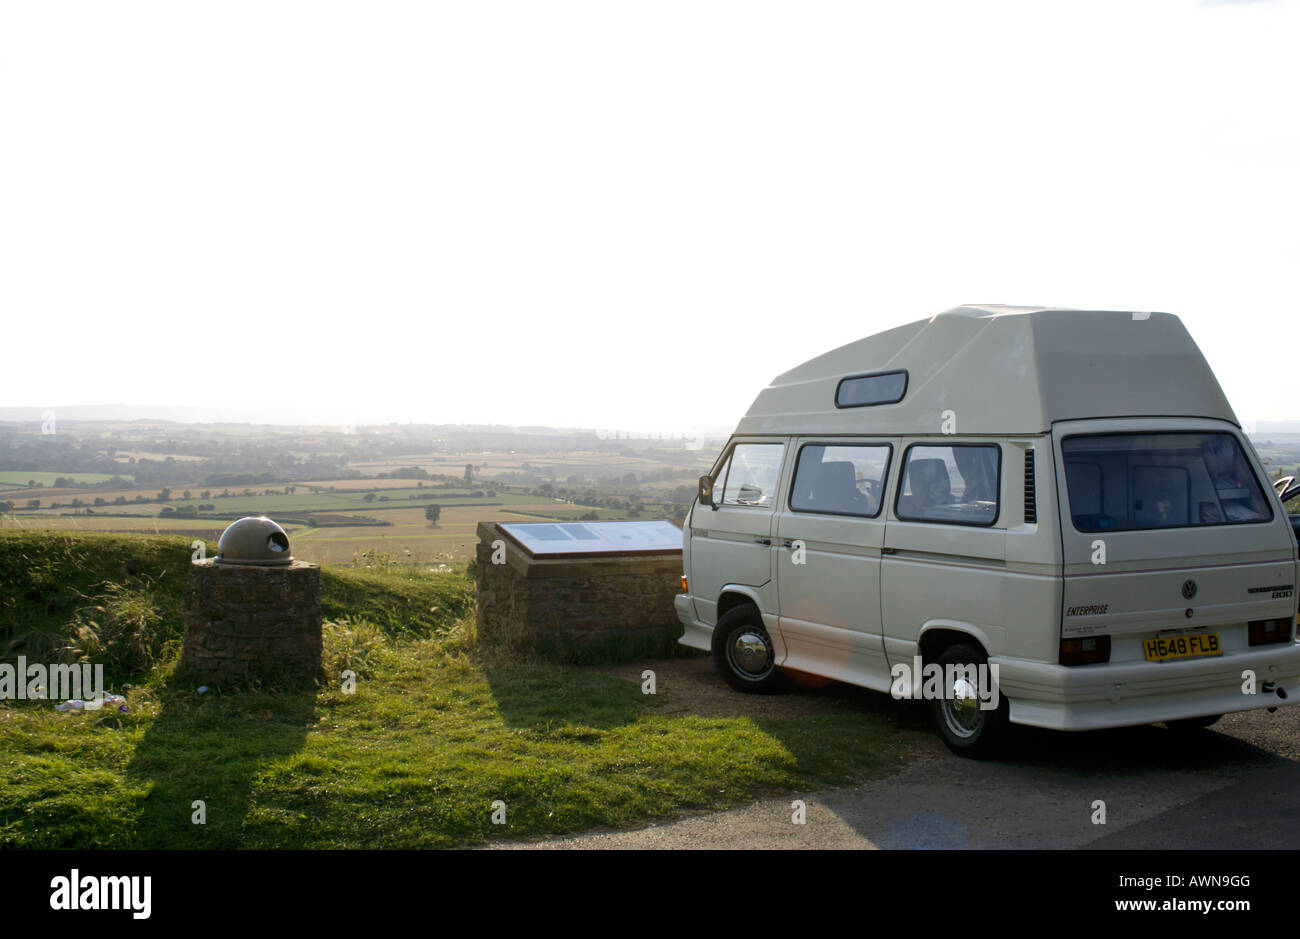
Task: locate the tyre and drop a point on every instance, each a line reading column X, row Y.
column 1192, row 723
column 966, row 728
column 743, row 652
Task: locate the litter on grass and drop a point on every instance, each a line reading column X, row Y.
column 94, row 704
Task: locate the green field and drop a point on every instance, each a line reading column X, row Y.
column 350, row 502
column 21, row 477
column 408, row 538
column 411, row 539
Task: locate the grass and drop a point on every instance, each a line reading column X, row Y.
column 437, row 729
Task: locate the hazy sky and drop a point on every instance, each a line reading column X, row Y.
column 621, row 214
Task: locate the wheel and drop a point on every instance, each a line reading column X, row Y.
column 1192, row 723
column 743, row 653
column 964, row 726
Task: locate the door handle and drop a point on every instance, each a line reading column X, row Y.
column 787, row 544
column 888, row 550
column 763, row 540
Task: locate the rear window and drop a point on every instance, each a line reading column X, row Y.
column 1129, row 482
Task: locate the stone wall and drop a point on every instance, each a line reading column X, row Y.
column 577, row 609
column 247, row 623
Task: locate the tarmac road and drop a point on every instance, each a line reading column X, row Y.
column 1235, row 785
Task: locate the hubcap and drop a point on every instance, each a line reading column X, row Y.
column 751, row 653
column 962, row 708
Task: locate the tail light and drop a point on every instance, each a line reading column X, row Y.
column 1264, row 632
column 684, row 588
column 1086, row 651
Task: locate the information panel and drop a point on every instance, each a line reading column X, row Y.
column 570, row 539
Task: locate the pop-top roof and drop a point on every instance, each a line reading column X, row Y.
column 1001, row 370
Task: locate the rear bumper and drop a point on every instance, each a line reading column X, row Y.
column 1091, row 697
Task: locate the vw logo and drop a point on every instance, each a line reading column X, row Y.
column 1189, row 589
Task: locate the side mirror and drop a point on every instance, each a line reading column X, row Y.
column 706, row 491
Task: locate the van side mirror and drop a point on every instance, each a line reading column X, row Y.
column 706, row 491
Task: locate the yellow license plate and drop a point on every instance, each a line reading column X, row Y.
column 1181, row 647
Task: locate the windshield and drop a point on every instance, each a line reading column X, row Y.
column 1126, row 482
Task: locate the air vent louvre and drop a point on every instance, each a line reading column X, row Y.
column 1031, row 503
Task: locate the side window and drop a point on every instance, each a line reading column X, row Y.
column 955, row 483
column 752, row 473
column 865, row 390
column 838, row 480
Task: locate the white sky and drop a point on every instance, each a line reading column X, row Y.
column 621, row 214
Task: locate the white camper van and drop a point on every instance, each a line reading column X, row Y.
column 1062, row 496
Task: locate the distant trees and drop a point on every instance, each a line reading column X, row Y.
column 469, row 474
column 33, row 503
column 369, row 497
column 683, row 494
column 431, row 512
column 6, row 508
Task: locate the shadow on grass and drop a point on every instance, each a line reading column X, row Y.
column 541, row 696
column 210, row 748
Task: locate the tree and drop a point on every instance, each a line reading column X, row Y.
column 164, row 495
column 431, row 512
column 469, row 474
column 33, row 503
column 6, row 508
column 369, row 497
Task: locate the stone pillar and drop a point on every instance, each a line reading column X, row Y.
column 249, row 623
column 591, row 609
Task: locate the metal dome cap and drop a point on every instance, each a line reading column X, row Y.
column 256, row 542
